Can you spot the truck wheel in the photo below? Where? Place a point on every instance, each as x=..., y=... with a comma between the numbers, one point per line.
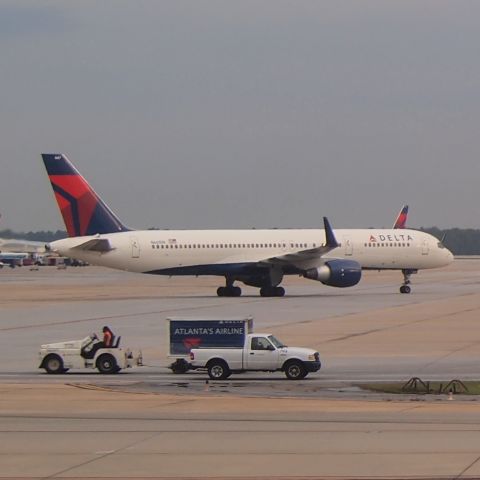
x=107, y=364
x=218, y=370
x=53, y=364
x=295, y=370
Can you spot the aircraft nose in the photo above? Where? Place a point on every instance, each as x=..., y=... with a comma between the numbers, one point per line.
x=445, y=256
x=450, y=256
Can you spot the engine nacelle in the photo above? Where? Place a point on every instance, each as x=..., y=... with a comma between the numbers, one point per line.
x=336, y=273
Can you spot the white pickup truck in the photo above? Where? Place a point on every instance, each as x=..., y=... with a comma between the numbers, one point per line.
x=261, y=352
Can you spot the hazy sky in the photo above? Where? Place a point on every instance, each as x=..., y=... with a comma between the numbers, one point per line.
x=239, y=114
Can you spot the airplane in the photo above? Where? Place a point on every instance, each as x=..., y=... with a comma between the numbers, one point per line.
x=401, y=220
x=258, y=258
x=21, y=246
x=14, y=245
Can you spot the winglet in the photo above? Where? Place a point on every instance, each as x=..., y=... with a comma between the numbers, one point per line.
x=401, y=220
x=331, y=241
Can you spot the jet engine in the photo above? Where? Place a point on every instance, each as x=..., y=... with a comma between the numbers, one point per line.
x=336, y=273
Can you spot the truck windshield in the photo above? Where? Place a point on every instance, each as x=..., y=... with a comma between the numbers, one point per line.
x=276, y=342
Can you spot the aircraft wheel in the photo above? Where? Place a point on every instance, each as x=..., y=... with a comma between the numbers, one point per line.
x=221, y=291
x=237, y=292
x=405, y=289
x=272, y=292
x=266, y=292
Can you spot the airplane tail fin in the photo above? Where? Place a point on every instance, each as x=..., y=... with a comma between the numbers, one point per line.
x=83, y=211
x=401, y=220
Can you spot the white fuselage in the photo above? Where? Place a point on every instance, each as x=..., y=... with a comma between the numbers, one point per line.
x=181, y=252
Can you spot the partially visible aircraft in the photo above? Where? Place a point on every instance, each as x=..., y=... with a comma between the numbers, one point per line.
x=259, y=258
x=401, y=220
x=14, y=245
x=21, y=246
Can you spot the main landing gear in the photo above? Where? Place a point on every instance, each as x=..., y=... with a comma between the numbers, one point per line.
x=405, y=288
x=229, y=290
x=272, y=291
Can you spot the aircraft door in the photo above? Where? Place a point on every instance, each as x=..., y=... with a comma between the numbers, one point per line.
x=425, y=247
x=135, y=247
x=347, y=242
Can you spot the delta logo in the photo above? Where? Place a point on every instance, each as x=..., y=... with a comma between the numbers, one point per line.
x=391, y=238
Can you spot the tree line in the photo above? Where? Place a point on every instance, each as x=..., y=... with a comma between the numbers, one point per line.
x=460, y=241
x=41, y=236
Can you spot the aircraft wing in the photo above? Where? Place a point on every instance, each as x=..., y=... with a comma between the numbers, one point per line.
x=303, y=258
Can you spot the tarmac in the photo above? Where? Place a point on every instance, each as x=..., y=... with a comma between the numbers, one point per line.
x=149, y=423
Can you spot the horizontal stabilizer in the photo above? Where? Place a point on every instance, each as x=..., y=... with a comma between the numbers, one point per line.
x=95, y=245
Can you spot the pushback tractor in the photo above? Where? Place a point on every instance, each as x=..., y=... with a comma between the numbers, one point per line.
x=84, y=354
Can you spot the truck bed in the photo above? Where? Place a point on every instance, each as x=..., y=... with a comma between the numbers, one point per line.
x=234, y=357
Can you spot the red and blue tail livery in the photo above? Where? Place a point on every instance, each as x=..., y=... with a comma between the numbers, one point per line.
x=83, y=211
x=401, y=220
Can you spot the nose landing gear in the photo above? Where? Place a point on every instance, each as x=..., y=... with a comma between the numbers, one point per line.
x=405, y=288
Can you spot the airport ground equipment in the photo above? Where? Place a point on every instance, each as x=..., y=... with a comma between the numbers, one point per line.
x=82, y=354
x=260, y=352
x=185, y=333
